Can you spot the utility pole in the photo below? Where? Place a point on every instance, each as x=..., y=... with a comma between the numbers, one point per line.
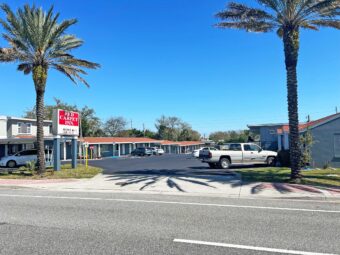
x=131, y=124
x=143, y=129
x=308, y=118
x=336, y=109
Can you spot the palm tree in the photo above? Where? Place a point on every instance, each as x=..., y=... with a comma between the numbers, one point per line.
x=286, y=17
x=37, y=42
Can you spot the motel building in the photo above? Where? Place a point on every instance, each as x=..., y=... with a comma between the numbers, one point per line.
x=18, y=134
x=122, y=146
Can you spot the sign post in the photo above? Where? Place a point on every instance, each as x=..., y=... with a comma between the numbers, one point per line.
x=86, y=145
x=74, y=152
x=65, y=123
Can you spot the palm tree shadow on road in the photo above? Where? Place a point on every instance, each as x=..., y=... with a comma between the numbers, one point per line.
x=172, y=178
x=202, y=176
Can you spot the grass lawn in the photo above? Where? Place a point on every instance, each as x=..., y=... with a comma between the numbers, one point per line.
x=66, y=173
x=321, y=177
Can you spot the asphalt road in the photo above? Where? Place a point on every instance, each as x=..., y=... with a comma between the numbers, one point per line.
x=143, y=165
x=42, y=222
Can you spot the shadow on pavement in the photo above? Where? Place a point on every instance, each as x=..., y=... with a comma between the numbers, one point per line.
x=172, y=177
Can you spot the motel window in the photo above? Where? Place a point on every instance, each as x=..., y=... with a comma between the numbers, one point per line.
x=20, y=127
x=28, y=128
x=337, y=145
x=272, y=132
x=24, y=128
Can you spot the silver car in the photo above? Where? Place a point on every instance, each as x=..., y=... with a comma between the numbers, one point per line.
x=21, y=158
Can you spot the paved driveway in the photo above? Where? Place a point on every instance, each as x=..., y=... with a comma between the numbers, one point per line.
x=171, y=164
x=167, y=173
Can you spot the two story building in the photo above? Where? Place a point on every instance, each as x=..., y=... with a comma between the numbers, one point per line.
x=17, y=134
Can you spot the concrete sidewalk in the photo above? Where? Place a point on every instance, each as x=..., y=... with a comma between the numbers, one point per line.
x=226, y=185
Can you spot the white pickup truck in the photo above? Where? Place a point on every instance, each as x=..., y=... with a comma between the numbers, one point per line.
x=237, y=154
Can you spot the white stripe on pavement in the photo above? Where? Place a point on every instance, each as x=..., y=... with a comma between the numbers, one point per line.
x=246, y=247
x=174, y=202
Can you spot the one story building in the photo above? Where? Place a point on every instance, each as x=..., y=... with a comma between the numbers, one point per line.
x=120, y=146
x=115, y=146
x=325, y=133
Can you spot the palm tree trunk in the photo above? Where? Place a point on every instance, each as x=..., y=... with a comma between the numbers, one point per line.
x=39, y=78
x=291, y=49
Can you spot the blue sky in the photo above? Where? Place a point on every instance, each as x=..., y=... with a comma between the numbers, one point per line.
x=164, y=57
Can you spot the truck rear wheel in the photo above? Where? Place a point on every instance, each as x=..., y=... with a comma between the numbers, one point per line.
x=224, y=163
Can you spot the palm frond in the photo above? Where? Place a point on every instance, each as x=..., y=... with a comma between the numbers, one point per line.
x=248, y=26
x=64, y=70
x=307, y=25
x=241, y=12
x=250, y=19
x=281, y=15
x=7, y=55
x=25, y=67
x=327, y=23
x=72, y=73
x=58, y=30
x=324, y=8
x=275, y=5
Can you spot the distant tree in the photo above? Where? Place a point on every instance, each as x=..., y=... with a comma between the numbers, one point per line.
x=239, y=136
x=174, y=129
x=91, y=125
x=130, y=133
x=48, y=109
x=188, y=134
x=168, y=127
x=137, y=133
x=114, y=125
x=150, y=134
x=219, y=136
x=38, y=43
x=286, y=18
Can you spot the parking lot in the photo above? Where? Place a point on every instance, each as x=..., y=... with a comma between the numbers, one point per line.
x=170, y=164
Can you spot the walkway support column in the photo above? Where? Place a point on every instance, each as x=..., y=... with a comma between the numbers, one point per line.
x=99, y=151
x=56, y=153
x=64, y=150
x=74, y=152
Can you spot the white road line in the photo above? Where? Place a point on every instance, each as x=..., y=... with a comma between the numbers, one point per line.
x=174, y=202
x=253, y=248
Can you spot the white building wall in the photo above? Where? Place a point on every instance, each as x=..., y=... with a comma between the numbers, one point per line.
x=3, y=127
x=13, y=128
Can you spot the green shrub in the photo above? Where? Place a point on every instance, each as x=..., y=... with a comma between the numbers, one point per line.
x=31, y=166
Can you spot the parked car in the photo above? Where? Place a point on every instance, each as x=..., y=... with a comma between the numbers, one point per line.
x=156, y=150
x=141, y=152
x=238, y=154
x=21, y=158
x=196, y=153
